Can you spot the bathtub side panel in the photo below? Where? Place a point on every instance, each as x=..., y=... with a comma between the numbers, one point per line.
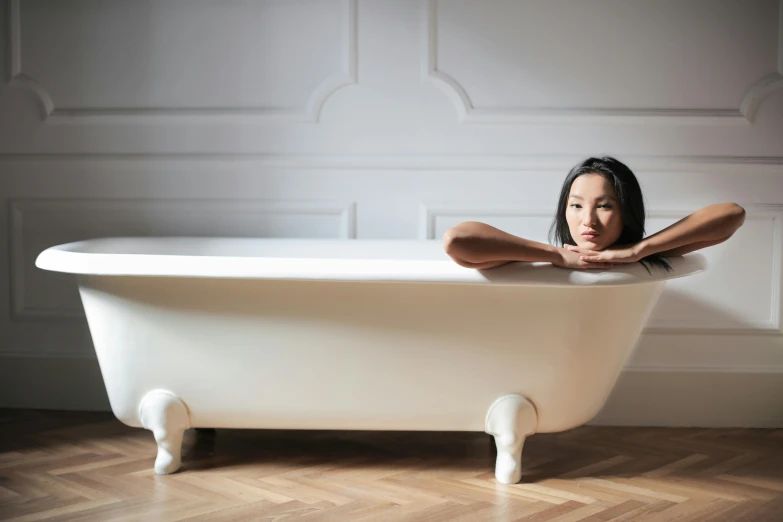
x=349, y=355
x=120, y=359
x=591, y=374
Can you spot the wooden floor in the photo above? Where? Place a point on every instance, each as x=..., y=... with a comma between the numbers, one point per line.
x=89, y=466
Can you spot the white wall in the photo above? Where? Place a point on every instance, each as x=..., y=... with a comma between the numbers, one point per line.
x=396, y=119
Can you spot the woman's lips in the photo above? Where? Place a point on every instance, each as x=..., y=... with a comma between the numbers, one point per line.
x=590, y=235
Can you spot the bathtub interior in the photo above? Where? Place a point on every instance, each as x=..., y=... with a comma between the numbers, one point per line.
x=302, y=248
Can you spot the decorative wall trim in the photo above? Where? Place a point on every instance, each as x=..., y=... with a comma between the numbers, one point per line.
x=429, y=212
x=46, y=354
x=682, y=397
x=20, y=309
x=15, y=76
x=668, y=368
x=310, y=113
x=772, y=326
x=705, y=369
x=468, y=113
x=757, y=93
x=770, y=83
x=780, y=40
x=735, y=368
x=455, y=162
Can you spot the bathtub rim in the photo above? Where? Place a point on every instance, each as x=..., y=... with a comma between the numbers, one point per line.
x=73, y=258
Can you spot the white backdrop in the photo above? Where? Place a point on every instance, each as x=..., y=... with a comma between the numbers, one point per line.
x=396, y=119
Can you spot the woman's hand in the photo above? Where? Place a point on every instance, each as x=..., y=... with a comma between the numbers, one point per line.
x=568, y=259
x=614, y=254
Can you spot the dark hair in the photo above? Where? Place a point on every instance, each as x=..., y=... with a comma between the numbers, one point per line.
x=629, y=193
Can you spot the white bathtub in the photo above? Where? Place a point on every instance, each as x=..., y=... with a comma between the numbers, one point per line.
x=352, y=334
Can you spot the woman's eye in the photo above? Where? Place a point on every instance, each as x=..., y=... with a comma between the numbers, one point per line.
x=577, y=205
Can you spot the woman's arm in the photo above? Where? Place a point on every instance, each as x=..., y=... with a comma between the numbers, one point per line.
x=705, y=227
x=478, y=245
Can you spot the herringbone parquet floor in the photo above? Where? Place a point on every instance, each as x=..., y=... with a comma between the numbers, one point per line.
x=89, y=466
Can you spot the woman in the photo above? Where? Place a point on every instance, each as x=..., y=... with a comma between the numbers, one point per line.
x=599, y=224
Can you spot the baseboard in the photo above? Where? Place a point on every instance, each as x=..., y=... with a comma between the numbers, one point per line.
x=709, y=398
x=51, y=383
x=641, y=397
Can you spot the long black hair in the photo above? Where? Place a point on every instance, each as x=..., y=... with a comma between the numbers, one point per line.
x=629, y=194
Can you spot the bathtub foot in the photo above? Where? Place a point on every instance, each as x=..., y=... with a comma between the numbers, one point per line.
x=167, y=417
x=510, y=419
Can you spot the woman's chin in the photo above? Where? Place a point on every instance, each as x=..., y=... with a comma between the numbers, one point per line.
x=591, y=245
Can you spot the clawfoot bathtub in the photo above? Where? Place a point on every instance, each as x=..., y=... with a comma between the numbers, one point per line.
x=353, y=334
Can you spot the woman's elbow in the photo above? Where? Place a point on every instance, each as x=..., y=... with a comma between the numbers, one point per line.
x=448, y=240
x=455, y=233
x=738, y=216
x=736, y=209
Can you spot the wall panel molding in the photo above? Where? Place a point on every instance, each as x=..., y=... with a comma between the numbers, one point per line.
x=86, y=210
x=348, y=75
x=768, y=84
x=456, y=162
x=201, y=117
x=772, y=325
x=699, y=397
x=468, y=113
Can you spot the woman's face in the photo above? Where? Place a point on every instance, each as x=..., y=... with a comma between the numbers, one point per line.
x=593, y=207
